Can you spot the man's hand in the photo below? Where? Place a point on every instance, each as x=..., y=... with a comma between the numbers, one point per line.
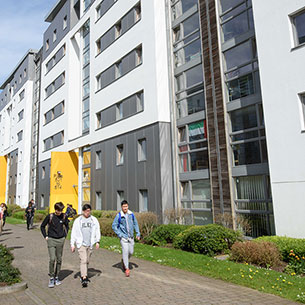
x=47, y=238
x=138, y=237
x=72, y=248
x=97, y=245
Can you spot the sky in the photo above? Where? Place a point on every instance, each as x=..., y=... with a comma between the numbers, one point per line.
x=21, y=28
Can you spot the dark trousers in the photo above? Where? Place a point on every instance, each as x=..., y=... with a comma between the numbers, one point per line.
x=28, y=222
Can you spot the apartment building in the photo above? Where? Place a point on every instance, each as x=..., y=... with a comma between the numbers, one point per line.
x=16, y=122
x=170, y=105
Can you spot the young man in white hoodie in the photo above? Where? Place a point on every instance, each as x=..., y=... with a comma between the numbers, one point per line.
x=85, y=233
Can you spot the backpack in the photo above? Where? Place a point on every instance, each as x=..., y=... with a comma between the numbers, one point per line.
x=120, y=218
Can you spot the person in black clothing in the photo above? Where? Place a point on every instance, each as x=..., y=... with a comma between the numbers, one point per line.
x=70, y=212
x=29, y=213
x=58, y=226
x=4, y=211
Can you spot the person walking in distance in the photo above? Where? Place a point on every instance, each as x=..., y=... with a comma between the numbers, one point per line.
x=29, y=213
x=85, y=234
x=34, y=210
x=58, y=227
x=124, y=225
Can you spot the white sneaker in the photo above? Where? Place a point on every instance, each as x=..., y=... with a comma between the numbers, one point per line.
x=51, y=282
x=57, y=281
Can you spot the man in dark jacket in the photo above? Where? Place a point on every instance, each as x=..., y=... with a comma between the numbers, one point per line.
x=29, y=213
x=58, y=226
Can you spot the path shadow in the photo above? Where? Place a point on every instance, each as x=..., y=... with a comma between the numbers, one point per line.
x=6, y=230
x=2, y=240
x=64, y=273
x=120, y=266
x=6, y=233
x=17, y=237
x=91, y=273
x=15, y=247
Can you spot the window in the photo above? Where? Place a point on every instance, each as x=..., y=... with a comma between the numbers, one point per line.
x=64, y=23
x=24, y=73
x=56, y=58
x=143, y=201
x=98, y=200
x=120, y=198
x=19, y=135
x=103, y=7
x=248, y=138
x=20, y=78
x=86, y=4
x=119, y=111
x=53, y=141
x=254, y=203
x=56, y=84
x=228, y=4
x=42, y=200
x=237, y=21
x=120, y=68
x=54, y=113
x=190, y=78
x=47, y=45
x=193, y=153
x=43, y=172
x=98, y=158
x=54, y=35
x=21, y=95
x=302, y=99
x=182, y=6
x=298, y=23
x=20, y=115
x=120, y=154
x=142, y=150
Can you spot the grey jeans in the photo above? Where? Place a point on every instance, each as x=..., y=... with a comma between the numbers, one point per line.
x=127, y=250
x=55, y=247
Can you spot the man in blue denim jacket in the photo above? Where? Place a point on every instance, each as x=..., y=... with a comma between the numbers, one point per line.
x=124, y=225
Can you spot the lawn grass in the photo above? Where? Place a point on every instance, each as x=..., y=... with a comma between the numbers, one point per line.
x=284, y=285
x=14, y=221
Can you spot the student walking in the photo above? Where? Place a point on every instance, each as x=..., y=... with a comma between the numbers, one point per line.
x=1, y=217
x=124, y=225
x=4, y=211
x=85, y=233
x=29, y=213
x=58, y=226
x=34, y=210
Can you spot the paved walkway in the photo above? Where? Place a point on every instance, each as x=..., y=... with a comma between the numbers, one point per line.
x=149, y=283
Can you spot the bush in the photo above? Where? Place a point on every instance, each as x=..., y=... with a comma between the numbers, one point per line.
x=8, y=274
x=164, y=234
x=106, y=227
x=147, y=222
x=39, y=217
x=19, y=215
x=11, y=208
x=264, y=254
x=285, y=245
x=209, y=239
x=43, y=212
x=96, y=213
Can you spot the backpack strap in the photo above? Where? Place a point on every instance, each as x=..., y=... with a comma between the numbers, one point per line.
x=51, y=217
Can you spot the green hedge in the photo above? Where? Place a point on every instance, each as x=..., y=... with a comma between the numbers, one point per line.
x=11, y=208
x=19, y=215
x=286, y=244
x=8, y=273
x=104, y=214
x=209, y=239
x=164, y=234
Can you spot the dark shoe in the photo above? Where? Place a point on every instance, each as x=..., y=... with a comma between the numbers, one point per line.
x=84, y=283
x=51, y=282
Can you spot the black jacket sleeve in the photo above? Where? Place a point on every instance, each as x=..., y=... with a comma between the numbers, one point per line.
x=66, y=224
x=43, y=226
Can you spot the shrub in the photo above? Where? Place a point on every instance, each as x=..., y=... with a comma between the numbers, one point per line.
x=209, y=239
x=8, y=274
x=147, y=222
x=19, y=215
x=164, y=234
x=106, y=227
x=296, y=264
x=96, y=213
x=108, y=214
x=263, y=254
x=11, y=208
x=285, y=245
x=39, y=217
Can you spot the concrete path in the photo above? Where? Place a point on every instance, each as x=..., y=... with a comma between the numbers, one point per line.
x=149, y=282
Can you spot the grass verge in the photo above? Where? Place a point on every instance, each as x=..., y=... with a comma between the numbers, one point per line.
x=14, y=221
x=269, y=281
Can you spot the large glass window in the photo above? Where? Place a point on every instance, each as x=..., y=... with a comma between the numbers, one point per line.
x=254, y=203
x=193, y=153
x=228, y=4
x=182, y=6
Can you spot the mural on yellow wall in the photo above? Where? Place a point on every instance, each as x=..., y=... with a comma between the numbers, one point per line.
x=64, y=179
x=3, y=170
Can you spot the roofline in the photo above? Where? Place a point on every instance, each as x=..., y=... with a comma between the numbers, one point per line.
x=30, y=51
x=54, y=11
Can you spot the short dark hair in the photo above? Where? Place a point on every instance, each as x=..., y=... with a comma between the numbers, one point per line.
x=124, y=202
x=59, y=206
x=86, y=207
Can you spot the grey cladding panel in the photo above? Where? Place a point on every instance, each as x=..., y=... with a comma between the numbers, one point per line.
x=44, y=183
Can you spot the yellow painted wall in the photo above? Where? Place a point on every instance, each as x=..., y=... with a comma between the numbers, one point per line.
x=63, y=175
x=3, y=170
